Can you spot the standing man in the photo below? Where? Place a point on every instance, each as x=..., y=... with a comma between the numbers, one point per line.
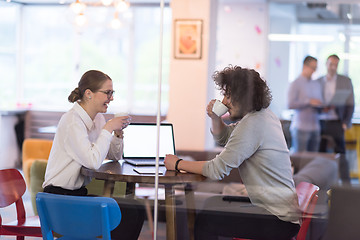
x=338, y=95
x=305, y=97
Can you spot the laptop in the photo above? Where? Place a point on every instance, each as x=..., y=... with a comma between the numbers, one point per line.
x=340, y=97
x=140, y=143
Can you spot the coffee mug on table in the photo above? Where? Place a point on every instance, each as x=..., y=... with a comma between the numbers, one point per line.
x=219, y=108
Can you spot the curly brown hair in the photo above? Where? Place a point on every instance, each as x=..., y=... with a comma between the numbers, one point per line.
x=245, y=88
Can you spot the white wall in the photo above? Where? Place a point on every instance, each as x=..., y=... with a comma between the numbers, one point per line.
x=234, y=32
x=242, y=31
x=189, y=80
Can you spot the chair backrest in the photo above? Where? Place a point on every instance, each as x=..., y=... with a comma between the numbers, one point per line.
x=36, y=148
x=37, y=176
x=77, y=217
x=12, y=188
x=343, y=214
x=32, y=150
x=307, y=197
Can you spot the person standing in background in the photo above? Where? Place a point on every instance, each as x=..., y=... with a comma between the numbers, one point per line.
x=338, y=96
x=304, y=96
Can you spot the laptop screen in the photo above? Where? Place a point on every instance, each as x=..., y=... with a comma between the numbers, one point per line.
x=140, y=140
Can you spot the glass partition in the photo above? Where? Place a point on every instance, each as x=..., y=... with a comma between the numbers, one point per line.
x=54, y=54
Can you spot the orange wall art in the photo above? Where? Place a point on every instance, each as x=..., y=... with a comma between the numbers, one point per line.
x=188, y=39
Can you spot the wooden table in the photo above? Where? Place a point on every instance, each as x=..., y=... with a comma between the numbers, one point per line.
x=112, y=171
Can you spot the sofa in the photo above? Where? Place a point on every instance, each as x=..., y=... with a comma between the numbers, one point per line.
x=34, y=149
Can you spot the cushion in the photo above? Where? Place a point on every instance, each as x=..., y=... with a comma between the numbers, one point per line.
x=37, y=175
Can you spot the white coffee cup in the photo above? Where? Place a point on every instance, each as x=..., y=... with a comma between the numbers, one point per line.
x=121, y=114
x=219, y=108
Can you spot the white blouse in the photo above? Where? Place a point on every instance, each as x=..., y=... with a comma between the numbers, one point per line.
x=78, y=142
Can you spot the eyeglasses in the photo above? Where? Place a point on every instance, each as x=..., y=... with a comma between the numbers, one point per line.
x=109, y=93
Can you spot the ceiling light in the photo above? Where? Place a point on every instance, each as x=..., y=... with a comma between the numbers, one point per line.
x=121, y=5
x=115, y=22
x=299, y=38
x=77, y=7
x=106, y=2
x=80, y=20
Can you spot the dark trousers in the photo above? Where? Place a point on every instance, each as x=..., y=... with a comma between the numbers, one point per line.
x=334, y=129
x=132, y=213
x=247, y=221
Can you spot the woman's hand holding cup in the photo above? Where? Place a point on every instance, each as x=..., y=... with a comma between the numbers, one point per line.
x=118, y=123
x=124, y=118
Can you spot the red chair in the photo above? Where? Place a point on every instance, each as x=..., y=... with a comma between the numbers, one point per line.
x=12, y=188
x=307, y=197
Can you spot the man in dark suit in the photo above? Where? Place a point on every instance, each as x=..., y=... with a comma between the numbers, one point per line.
x=338, y=95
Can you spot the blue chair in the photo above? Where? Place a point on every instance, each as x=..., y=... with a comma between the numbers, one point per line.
x=75, y=217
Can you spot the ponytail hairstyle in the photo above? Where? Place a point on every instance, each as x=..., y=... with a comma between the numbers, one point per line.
x=92, y=80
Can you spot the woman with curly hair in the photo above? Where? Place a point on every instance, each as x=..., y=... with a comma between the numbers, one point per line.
x=255, y=144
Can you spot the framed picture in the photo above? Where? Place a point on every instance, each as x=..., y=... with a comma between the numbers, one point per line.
x=188, y=39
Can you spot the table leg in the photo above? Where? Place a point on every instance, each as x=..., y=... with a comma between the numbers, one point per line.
x=170, y=212
x=130, y=189
x=190, y=206
x=108, y=188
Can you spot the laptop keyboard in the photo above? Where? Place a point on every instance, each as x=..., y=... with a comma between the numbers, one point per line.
x=144, y=162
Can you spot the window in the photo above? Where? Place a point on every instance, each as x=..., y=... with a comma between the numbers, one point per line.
x=8, y=54
x=49, y=50
x=55, y=53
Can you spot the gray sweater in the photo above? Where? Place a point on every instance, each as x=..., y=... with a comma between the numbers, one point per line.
x=256, y=145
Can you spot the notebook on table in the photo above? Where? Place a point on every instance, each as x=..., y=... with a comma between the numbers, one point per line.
x=140, y=143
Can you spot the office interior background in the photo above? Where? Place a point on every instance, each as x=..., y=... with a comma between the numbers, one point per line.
x=45, y=48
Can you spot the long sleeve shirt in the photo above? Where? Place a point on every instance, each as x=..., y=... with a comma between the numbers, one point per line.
x=256, y=145
x=306, y=117
x=345, y=103
x=79, y=141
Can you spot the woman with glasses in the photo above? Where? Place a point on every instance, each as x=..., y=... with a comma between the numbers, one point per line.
x=84, y=138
